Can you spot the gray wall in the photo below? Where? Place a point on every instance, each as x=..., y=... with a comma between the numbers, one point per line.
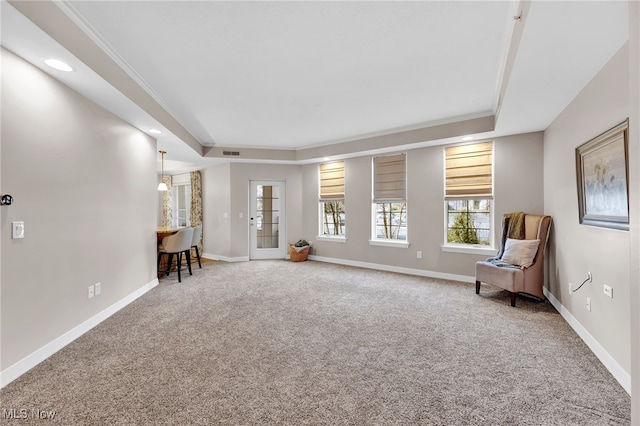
x=216, y=229
x=226, y=190
x=576, y=249
x=84, y=183
x=518, y=187
x=634, y=197
x=518, y=179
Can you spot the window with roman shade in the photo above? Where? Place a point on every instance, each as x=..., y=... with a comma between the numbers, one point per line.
x=331, y=195
x=332, y=181
x=390, y=197
x=468, y=194
x=468, y=171
x=390, y=178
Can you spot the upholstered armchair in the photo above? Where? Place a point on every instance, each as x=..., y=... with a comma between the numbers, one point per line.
x=519, y=265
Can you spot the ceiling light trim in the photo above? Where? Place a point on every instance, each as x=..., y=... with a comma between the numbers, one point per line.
x=58, y=64
x=514, y=36
x=403, y=138
x=74, y=14
x=404, y=129
x=52, y=19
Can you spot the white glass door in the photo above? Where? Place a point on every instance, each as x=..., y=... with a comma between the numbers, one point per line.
x=267, y=220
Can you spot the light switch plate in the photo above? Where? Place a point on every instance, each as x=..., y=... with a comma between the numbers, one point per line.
x=17, y=230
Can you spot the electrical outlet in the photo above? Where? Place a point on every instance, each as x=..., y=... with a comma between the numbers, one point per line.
x=570, y=288
x=419, y=254
x=608, y=291
x=589, y=304
x=91, y=291
x=98, y=287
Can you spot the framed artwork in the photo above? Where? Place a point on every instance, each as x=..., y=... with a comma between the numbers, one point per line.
x=603, y=179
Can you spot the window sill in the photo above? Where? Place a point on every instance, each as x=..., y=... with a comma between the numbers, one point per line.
x=338, y=239
x=389, y=243
x=469, y=249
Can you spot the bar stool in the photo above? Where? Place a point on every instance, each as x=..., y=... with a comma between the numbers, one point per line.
x=178, y=243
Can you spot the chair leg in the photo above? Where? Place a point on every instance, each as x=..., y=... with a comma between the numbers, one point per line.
x=198, y=256
x=179, y=266
x=188, y=253
x=477, y=287
x=169, y=262
x=513, y=299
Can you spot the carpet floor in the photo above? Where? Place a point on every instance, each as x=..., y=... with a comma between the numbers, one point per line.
x=311, y=343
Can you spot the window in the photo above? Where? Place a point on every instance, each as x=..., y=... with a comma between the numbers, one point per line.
x=469, y=222
x=332, y=218
x=332, y=212
x=389, y=198
x=468, y=194
x=391, y=221
x=268, y=216
x=181, y=205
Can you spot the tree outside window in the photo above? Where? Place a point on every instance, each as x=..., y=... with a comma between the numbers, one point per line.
x=469, y=222
x=391, y=221
x=333, y=218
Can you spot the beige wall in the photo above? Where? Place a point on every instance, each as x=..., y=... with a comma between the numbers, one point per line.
x=634, y=197
x=84, y=183
x=577, y=249
x=518, y=187
x=216, y=229
x=226, y=189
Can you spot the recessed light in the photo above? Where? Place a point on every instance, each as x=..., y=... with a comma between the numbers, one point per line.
x=155, y=131
x=58, y=65
x=467, y=138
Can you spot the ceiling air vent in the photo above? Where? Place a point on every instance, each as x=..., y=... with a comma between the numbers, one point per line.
x=234, y=153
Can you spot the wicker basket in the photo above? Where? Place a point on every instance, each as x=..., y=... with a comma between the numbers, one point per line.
x=298, y=254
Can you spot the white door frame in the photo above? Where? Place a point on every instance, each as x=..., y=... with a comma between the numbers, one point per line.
x=280, y=252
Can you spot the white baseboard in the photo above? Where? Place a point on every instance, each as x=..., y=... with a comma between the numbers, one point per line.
x=399, y=269
x=19, y=368
x=607, y=360
x=225, y=258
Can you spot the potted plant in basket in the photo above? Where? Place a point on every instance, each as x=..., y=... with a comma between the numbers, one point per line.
x=299, y=251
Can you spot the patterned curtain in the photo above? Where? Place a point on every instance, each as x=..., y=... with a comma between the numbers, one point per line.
x=166, y=203
x=196, y=203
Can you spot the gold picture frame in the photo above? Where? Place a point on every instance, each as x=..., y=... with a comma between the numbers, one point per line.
x=602, y=168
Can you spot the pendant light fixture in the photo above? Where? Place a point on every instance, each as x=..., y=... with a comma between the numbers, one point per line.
x=162, y=186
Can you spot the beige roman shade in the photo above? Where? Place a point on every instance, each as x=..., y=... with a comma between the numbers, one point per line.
x=468, y=171
x=332, y=181
x=390, y=178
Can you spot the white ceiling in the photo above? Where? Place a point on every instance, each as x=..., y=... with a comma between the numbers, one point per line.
x=290, y=76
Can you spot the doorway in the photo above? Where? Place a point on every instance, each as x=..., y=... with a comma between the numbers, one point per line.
x=267, y=239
